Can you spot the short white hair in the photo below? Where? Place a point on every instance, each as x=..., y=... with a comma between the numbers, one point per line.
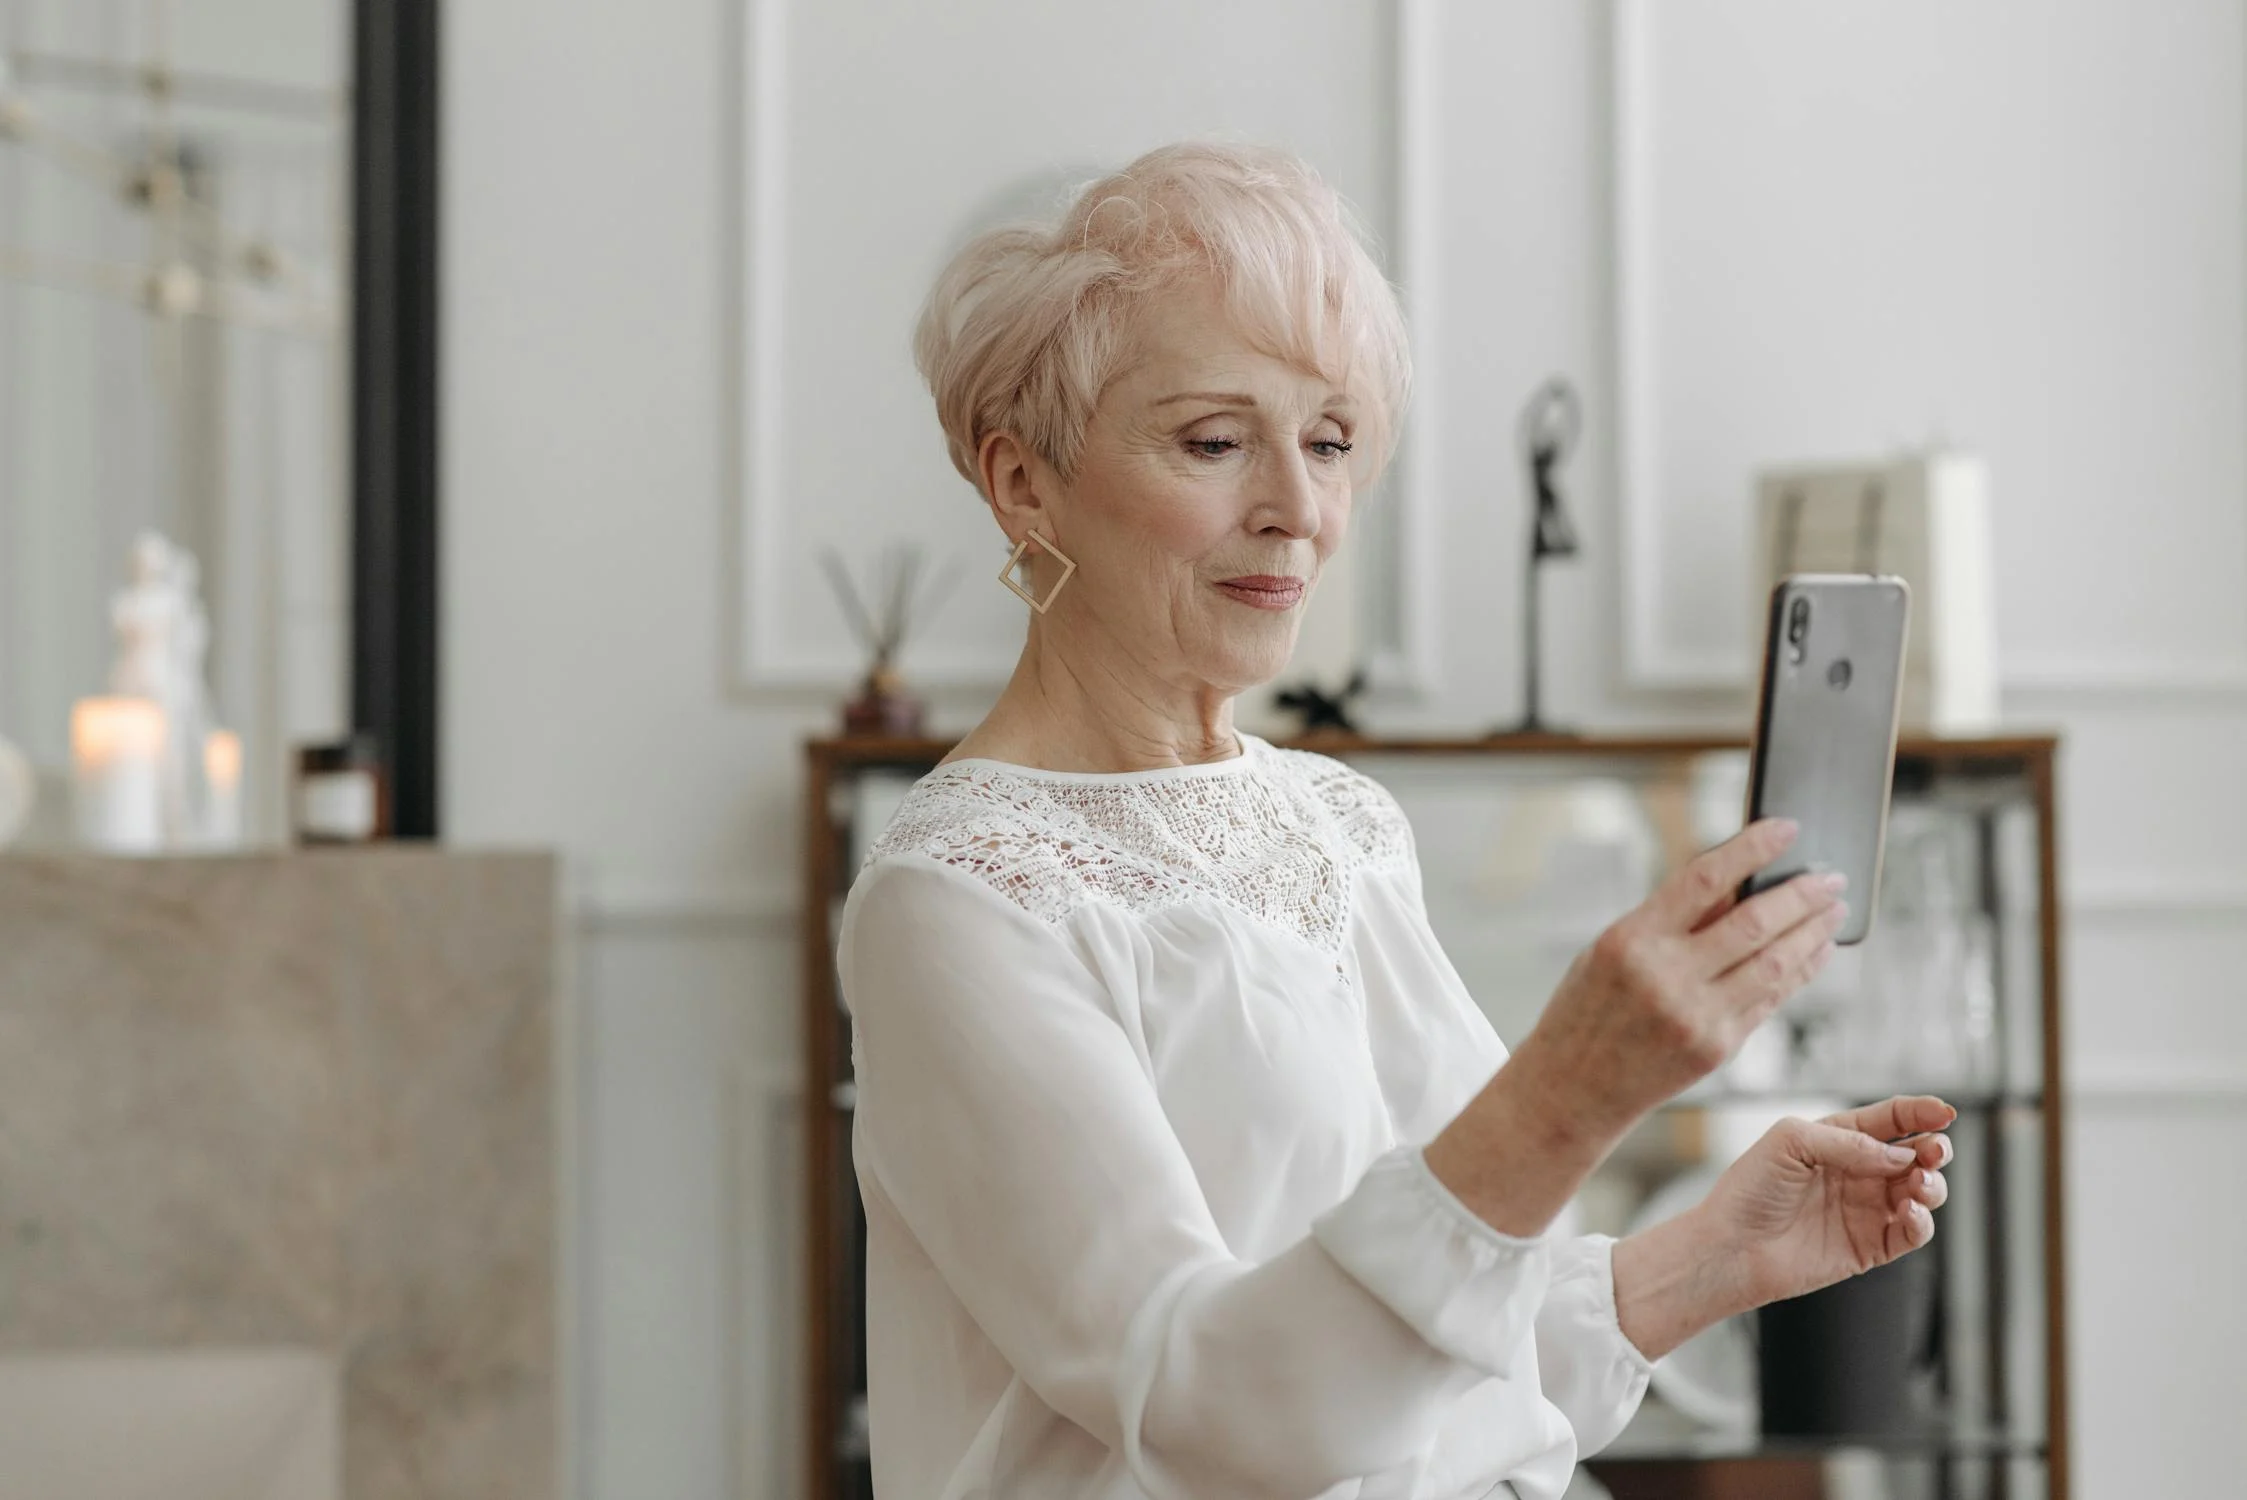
x=1029, y=323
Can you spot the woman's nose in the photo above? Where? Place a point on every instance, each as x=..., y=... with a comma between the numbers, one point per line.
x=1290, y=502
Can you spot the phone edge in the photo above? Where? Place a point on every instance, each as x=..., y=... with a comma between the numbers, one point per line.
x=1895, y=732
x=1763, y=725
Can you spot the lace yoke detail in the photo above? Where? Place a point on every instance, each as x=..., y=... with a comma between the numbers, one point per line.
x=1280, y=839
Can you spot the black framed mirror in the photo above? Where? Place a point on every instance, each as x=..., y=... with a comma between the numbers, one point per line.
x=395, y=165
x=219, y=400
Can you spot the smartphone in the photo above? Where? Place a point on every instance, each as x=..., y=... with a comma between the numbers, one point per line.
x=1825, y=729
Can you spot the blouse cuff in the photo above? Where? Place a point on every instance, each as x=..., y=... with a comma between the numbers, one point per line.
x=1590, y=1368
x=1583, y=1289
x=1468, y=1289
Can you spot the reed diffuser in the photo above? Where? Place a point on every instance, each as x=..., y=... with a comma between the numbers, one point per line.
x=904, y=595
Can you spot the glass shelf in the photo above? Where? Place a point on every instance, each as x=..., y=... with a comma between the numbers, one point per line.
x=1625, y=1450
x=844, y=1096
x=1659, y=1434
x=1962, y=1098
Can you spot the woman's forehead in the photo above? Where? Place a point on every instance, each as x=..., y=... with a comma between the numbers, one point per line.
x=1192, y=342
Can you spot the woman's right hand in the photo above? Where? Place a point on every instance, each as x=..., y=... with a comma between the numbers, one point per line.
x=1668, y=993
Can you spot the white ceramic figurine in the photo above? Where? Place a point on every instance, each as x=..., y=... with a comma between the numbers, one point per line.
x=163, y=635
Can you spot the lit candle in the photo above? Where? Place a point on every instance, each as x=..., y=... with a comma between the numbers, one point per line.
x=222, y=782
x=116, y=751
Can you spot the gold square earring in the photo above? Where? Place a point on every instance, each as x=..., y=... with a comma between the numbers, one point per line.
x=1006, y=574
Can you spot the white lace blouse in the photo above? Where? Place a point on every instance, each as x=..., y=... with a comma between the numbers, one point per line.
x=1144, y=1064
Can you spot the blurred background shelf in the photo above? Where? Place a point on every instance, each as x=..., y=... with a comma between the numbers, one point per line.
x=1965, y=1099
x=1661, y=1434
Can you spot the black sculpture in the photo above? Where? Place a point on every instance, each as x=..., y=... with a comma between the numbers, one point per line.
x=1548, y=430
x=1323, y=712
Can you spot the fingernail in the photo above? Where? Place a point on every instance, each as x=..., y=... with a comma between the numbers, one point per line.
x=1834, y=881
x=1786, y=827
x=1838, y=913
x=1948, y=1153
x=1902, y=1156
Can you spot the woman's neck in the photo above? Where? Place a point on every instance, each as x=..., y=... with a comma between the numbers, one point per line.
x=1061, y=713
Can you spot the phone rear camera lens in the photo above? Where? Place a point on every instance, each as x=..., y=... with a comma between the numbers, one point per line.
x=1798, y=621
x=1839, y=673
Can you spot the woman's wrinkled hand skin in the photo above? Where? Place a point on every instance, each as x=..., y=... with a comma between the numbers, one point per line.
x=1668, y=993
x=1664, y=998
x=1814, y=1202
x=1811, y=1203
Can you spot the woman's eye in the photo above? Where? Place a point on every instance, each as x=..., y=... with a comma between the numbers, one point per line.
x=1331, y=448
x=1213, y=447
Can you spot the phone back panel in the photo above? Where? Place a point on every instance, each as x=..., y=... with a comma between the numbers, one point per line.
x=1825, y=751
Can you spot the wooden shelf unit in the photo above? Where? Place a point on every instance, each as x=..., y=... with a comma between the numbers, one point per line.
x=833, y=1355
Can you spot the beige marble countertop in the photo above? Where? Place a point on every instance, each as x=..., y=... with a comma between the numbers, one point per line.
x=298, y=1099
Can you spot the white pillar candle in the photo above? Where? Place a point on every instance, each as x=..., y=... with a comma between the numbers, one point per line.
x=222, y=786
x=116, y=752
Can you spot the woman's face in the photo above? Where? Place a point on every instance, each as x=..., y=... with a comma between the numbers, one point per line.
x=1214, y=485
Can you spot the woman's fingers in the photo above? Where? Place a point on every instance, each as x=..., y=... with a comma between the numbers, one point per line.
x=1893, y=1118
x=1716, y=913
x=1704, y=883
x=1934, y=1149
x=1852, y=1153
x=1767, y=976
x=1911, y=1229
x=1911, y=1188
x=1921, y=1185
x=1754, y=924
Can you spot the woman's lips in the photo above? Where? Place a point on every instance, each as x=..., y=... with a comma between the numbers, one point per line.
x=1265, y=590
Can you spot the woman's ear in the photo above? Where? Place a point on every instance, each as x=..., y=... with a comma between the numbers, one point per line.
x=1011, y=482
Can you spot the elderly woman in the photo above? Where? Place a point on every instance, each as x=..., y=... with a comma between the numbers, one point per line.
x=1190, y=1166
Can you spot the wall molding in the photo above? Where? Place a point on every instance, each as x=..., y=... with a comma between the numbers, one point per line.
x=2158, y=1086
x=1411, y=665
x=1649, y=661
x=2143, y=894
x=741, y=909
x=15, y=612
x=2133, y=681
x=681, y=909
x=761, y=660
x=763, y=1260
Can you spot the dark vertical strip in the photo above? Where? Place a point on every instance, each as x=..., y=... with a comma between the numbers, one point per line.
x=394, y=555
x=2059, y=1463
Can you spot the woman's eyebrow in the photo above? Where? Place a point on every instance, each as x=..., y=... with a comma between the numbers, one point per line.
x=1219, y=398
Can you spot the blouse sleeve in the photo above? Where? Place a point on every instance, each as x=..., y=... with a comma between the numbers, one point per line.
x=1587, y=1365
x=1003, y=1112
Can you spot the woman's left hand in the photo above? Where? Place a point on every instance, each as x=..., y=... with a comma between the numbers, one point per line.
x=1814, y=1202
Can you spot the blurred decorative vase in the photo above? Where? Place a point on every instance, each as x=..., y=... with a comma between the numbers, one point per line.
x=1858, y=1359
x=883, y=706
x=19, y=792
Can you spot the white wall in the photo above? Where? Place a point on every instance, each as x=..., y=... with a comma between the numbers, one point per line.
x=593, y=284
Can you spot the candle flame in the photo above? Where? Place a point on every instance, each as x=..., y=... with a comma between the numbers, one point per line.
x=222, y=758
x=105, y=729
